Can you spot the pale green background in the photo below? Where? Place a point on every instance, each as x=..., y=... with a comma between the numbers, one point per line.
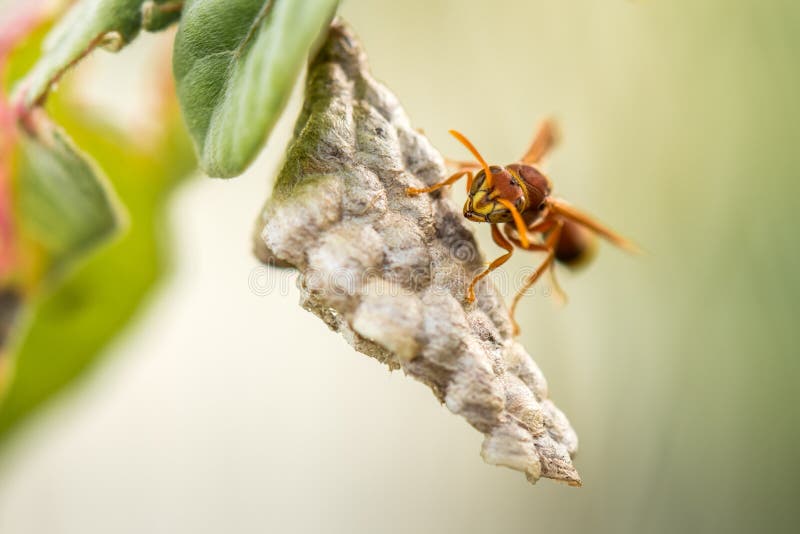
x=225, y=411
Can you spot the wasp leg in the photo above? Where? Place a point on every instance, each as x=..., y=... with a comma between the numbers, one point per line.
x=451, y=180
x=512, y=234
x=537, y=230
x=545, y=138
x=461, y=164
x=502, y=242
x=550, y=246
x=547, y=223
x=522, y=230
x=561, y=296
x=540, y=228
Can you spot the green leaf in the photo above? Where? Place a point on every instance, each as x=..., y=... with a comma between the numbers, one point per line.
x=71, y=326
x=110, y=24
x=65, y=326
x=235, y=63
x=63, y=202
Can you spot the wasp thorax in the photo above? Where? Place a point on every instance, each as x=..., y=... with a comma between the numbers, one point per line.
x=538, y=185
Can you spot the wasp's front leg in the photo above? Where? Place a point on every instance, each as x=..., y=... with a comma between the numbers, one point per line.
x=501, y=241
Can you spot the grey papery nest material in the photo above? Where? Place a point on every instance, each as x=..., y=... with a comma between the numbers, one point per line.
x=389, y=271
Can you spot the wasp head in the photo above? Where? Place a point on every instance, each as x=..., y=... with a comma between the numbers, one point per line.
x=488, y=199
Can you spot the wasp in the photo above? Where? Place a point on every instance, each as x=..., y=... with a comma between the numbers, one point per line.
x=519, y=197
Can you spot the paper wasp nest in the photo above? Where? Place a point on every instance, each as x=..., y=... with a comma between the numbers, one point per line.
x=389, y=271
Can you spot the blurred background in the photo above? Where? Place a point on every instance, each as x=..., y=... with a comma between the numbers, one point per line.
x=225, y=407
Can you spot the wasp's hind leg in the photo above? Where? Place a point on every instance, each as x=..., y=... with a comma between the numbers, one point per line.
x=553, y=227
